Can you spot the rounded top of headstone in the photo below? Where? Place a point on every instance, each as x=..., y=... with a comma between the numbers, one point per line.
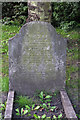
x=37, y=23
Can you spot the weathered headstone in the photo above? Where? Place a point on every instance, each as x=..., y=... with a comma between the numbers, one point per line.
x=37, y=58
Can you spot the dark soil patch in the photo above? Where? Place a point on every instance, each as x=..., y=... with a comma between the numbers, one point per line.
x=55, y=101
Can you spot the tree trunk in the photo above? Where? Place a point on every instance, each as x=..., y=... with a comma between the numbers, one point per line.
x=39, y=11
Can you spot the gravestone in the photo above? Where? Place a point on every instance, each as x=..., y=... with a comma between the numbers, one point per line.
x=37, y=57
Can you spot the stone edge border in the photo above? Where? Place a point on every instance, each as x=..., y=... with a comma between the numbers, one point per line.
x=68, y=108
x=9, y=106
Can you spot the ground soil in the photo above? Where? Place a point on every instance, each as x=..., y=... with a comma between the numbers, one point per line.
x=56, y=101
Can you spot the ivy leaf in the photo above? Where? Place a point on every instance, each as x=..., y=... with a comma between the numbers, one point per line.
x=44, y=105
x=41, y=95
x=41, y=109
x=36, y=108
x=21, y=110
x=48, y=100
x=38, y=116
x=27, y=106
x=41, y=100
x=44, y=116
x=25, y=111
x=48, y=117
x=33, y=106
x=53, y=107
x=54, y=116
x=2, y=105
x=59, y=116
x=48, y=104
x=17, y=110
x=48, y=96
x=1, y=108
x=35, y=116
x=17, y=114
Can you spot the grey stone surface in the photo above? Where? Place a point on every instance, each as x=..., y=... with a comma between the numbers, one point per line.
x=37, y=57
x=9, y=106
x=68, y=108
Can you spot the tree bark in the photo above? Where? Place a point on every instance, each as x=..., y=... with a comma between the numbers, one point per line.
x=39, y=11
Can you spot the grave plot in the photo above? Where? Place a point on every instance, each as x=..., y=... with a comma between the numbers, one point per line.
x=42, y=106
x=37, y=58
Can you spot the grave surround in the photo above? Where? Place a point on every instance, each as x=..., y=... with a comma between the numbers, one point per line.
x=37, y=59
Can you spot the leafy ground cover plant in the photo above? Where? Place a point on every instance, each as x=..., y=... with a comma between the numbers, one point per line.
x=3, y=107
x=2, y=110
x=46, y=108
x=24, y=100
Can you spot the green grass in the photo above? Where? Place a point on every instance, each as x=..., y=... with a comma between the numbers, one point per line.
x=24, y=100
x=72, y=80
x=72, y=34
x=5, y=83
x=7, y=32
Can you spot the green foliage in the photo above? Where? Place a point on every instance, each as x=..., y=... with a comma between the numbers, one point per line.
x=27, y=107
x=15, y=13
x=7, y=32
x=36, y=116
x=41, y=95
x=72, y=80
x=5, y=83
x=2, y=110
x=73, y=35
x=44, y=105
x=37, y=107
x=78, y=115
x=24, y=100
x=66, y=15
x=54, y=117
x=22, y=112
x=43, y=116
x=48, y=96
x=44, y=98
x=59, y=116
x=68, y=25
x=3, y=107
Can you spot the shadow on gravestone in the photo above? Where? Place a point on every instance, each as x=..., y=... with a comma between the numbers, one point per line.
x=37, y=57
